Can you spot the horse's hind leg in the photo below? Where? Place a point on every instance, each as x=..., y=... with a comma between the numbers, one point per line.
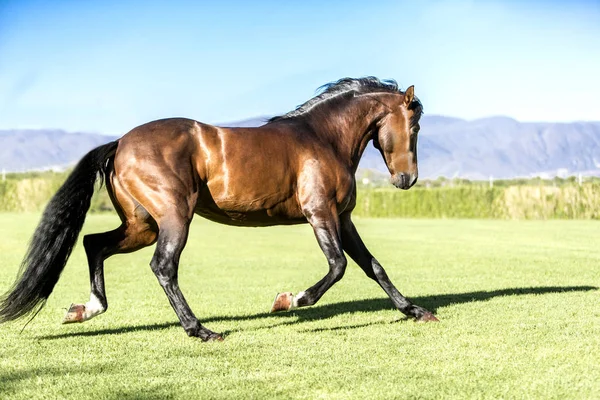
x=172, y=238
x=170, y=197
x=98, y=248
x=137, y=230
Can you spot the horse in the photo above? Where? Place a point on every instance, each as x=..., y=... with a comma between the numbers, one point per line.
x=296, y=168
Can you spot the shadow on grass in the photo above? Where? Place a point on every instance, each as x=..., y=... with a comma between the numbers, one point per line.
x=432, y=303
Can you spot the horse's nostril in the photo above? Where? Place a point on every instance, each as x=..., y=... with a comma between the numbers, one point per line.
x=402, y=179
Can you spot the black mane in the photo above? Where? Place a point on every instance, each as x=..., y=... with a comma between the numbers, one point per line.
x=369, y=84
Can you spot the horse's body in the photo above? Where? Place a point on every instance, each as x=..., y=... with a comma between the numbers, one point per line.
x=297, y=168
x=229, y=166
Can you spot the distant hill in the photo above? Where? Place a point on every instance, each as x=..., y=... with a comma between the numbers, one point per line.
x=505, y=148
x=500, y=147
x=26, y=150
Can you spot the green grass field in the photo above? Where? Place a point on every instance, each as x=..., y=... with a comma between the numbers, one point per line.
x=518, y=304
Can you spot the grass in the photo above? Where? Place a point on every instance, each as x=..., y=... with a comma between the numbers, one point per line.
x=517, y=300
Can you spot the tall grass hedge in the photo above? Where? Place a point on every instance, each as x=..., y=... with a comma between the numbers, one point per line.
x=522, y=200
x=481, y=201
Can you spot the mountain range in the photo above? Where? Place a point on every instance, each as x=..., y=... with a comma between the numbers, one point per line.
x=39, y=149
x=498, y=147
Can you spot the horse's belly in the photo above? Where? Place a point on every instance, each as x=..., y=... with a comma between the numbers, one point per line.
x=254, y=211
x=248, y=219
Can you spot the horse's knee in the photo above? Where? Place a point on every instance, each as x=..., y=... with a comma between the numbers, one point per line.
x=337, y=266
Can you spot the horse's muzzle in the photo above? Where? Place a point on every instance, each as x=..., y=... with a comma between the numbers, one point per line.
x=404, y=181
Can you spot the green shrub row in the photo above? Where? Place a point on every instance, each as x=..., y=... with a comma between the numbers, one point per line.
x=31, y=193
x=481, y=201
x=533, y=200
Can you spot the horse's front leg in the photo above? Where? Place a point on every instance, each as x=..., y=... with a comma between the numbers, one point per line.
x=326, y=225
x=356, y=249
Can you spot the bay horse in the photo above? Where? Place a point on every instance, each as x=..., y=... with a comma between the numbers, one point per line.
x=297, y=168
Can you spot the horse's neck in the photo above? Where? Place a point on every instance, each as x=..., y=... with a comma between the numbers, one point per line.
x=350, y=128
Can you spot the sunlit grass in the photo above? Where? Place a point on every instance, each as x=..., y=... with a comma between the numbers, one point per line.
x=520, y=317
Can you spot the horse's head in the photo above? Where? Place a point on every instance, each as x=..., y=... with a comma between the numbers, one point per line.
x=396, y=139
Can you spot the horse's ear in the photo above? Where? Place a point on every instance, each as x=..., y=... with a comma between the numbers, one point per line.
x=409, y=95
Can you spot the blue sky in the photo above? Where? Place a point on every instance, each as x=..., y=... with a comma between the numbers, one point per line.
x=107, y=66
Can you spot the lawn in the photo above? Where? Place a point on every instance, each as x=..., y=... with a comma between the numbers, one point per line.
x=518, y=304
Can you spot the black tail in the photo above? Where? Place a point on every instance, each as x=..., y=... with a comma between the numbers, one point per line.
x=55, y=236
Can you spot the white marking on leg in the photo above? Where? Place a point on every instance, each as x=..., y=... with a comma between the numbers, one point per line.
x=93, y=307
x=295, y=300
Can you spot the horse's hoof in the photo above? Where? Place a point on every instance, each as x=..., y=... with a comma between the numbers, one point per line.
x=428, y=317
x=282, y=302
x=215, y=337
x=75, y=314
